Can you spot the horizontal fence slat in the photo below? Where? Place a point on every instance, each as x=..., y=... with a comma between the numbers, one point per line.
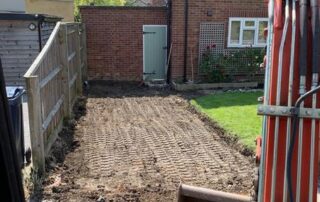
x=71, y=56
x=74, y=78
x=52, y=113
x=50, y=76
x=71, y=32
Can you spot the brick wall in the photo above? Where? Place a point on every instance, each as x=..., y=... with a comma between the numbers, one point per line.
x=221, y=10
x=158, y=2
x=115, y=40
x=114, y=34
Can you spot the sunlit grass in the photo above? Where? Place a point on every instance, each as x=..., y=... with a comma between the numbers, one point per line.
x=236, y=112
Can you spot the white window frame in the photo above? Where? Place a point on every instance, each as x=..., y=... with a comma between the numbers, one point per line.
x=242, y=28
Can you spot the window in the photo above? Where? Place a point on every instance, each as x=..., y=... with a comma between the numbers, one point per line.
x=244, y=32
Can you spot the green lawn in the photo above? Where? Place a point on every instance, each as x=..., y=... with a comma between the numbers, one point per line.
x=236, y=112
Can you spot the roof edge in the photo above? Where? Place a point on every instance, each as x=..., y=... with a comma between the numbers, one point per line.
x=27, y=16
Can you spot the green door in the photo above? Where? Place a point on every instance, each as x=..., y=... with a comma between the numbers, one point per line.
x=154, y=52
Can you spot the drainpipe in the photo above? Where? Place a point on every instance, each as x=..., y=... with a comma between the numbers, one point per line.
x=169, y=14
x=186, y=21
x=39, y=35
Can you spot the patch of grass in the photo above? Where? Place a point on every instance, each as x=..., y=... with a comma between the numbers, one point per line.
x=236, y=112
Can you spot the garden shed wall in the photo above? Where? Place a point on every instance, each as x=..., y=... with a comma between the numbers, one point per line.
x=115, y=40
x=20, y=45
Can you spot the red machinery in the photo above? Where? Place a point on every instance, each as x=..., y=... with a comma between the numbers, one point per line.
x=289, y=159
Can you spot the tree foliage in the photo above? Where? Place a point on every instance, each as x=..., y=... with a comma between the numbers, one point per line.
x=78, y=3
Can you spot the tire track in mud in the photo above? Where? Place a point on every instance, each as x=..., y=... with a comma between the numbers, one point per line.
x=140, y=147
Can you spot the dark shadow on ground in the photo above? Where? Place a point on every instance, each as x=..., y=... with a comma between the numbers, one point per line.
x=112, y=89
x=64, y=144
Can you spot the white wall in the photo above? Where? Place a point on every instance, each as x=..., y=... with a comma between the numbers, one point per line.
x=12, y=5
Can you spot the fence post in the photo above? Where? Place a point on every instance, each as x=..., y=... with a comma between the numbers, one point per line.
x=37, y=143
x=78, y=61
x=63, y=37
x=84, y=51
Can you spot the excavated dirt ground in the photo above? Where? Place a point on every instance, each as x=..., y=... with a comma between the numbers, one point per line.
x=132, y=143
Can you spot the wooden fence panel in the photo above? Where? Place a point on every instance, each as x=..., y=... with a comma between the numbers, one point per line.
x=53, y=82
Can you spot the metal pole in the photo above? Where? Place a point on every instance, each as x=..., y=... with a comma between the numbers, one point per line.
x=300, y=147
x=278, y=98
x=313, y=139
x=315, y=77
x=302, y=90
x=291, y=73
x=266, y=101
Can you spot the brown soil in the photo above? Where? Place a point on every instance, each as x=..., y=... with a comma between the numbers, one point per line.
x=132, y=143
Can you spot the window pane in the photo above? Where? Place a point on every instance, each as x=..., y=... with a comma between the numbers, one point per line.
x=262, y=26
x=249, y=23
x=248, y=37
x=235, y=32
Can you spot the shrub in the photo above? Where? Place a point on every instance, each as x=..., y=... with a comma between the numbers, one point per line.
x=224, y=67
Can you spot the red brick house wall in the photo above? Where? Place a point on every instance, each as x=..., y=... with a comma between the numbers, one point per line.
x=158, y=2
x=198, y=12
x=115, y=40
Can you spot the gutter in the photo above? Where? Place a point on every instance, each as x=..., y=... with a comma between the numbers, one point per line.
x=186, y=21
x=24, y=16
x=39, y=35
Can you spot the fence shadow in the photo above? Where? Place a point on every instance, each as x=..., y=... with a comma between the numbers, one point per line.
x=64, y=145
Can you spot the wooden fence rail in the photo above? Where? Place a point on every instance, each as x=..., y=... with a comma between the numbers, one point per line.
x=54, y=81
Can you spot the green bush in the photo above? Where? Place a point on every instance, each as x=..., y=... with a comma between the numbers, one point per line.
x=223, y=67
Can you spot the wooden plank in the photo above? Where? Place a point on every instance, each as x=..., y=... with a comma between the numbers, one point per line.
x=50, y=76
x=84, y=55
x=36, y=135
x=65, y=70
x=19, y=47
x=73, y=80
x=52, y=113
x=19, y=34
x=18, y=42
x=78, y=61
x=15, y=71
x=53, y=137
x=12, y=60
x=71, y=56
x=14, y=38
x=71, y=32
x=16, y=66
x=26, y=56
x=15, y=53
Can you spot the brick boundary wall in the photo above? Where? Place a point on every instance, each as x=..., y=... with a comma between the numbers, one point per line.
x=220, y=11
x=115, y=40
